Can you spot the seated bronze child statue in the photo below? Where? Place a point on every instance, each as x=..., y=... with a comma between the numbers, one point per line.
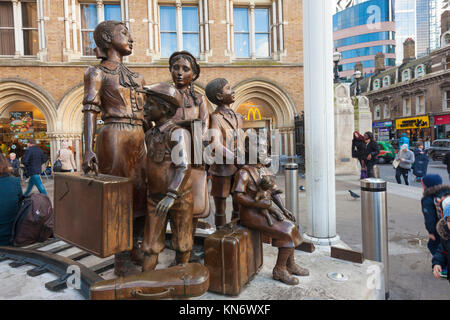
x=261, y=208
x=169, y=185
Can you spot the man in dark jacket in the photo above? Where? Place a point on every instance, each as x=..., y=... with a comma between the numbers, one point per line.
x=441, y=259
x=33, y=160
x=371, y=154
x=433, y=188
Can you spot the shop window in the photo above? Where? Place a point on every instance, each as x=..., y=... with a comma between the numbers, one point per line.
x=387, y=112
x=179, y=32
x=90, y=19
x=25, y=27
x=6, y=29
x=407, y=106
x=252, y=43
x=420, y=104
x=377, y=113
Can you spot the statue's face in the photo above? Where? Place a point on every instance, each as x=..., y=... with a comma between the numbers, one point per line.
x=182, y=73
x=152, y=111
x=227, y=95
x=122, y=40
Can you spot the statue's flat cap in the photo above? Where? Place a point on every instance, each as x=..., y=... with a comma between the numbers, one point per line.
x=166, y=92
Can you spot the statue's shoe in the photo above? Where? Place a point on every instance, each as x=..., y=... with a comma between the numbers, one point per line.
x=284, y=276
x=298, y=271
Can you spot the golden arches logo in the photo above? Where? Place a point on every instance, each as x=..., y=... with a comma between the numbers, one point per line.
x=254, y=112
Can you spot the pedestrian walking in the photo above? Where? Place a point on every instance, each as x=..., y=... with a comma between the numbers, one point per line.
x=14, y=164
x=420, y=166
x=358, y=152
x=404, y=159
x=65, y=155
x=371, y=153
x=33, y=160
x=432, y=189
x=10, y=199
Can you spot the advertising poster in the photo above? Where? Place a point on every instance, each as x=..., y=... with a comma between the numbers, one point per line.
x=21, y=121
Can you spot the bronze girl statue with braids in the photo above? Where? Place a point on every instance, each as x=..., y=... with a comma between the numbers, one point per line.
x=185, y=70
x=111, y=88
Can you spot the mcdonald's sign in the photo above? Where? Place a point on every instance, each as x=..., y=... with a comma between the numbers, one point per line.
x=254, y=112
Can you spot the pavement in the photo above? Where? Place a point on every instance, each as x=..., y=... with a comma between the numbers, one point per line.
x=410, y=274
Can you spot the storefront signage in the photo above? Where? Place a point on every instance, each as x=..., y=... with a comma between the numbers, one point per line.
x=413, y=123
x=440, y=120
x=386, y=124
x=255, y=112
x=21, y=121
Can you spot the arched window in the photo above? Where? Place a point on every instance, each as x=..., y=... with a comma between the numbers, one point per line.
x=376, y=84
x=406, y=75
x=386, y=81
x=420, y=71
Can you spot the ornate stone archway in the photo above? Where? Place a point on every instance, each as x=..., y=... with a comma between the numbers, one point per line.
x=279, y=101
x=13, y=90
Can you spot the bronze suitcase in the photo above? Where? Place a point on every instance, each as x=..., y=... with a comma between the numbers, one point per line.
x=94, y=213
x=233, y=255
x=181, y=282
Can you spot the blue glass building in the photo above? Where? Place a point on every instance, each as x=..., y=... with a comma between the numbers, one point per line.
x=363, y=30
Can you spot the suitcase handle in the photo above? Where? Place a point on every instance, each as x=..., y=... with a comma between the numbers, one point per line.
x=153, y=296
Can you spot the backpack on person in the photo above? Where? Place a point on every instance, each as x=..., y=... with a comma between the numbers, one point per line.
x=34, y=221
x=441, y=202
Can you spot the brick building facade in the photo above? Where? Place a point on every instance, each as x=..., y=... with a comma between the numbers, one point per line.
x=47, y=45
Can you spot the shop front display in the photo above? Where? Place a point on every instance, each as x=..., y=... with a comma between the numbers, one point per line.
x=442, y=127
x=383, y=131
x=416, y=128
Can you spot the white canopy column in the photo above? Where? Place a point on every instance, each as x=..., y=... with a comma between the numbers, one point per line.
x=319, y=121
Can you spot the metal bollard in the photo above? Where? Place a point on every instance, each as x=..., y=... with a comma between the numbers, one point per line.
x=376, y=171
x=374, y=224
x=291, y=188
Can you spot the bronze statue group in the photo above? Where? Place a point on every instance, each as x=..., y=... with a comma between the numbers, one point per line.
x=137, y=141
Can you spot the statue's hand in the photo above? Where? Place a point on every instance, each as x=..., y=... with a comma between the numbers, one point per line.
x=88, y=162
x=164, y=206
x=277, y=215
x=289, y=215
x=266, y=214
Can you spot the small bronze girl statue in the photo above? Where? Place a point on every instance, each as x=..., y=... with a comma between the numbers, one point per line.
x=112, y=89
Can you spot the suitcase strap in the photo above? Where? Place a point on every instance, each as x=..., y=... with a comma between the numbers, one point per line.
x=168, y=293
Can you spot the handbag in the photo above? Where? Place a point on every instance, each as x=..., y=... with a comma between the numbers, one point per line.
x=57, y=166
x=364, y=174
x=396, y=163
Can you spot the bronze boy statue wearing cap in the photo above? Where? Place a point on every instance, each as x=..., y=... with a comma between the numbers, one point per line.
x=112, y=89
x=228, y=125
x=169, y=185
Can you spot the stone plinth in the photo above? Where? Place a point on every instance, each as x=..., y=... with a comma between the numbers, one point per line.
x=344, y=126
x=364, y=115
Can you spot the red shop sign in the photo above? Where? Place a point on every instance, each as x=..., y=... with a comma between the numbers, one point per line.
x=439, y=120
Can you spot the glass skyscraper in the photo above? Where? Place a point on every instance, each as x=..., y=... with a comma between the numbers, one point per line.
x=361, y=31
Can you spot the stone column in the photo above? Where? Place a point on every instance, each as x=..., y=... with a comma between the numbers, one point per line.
x=78, y=153
x=100, y=12
x=252, y=30
x=319, y=122
x=344, y=127
x=179, y=26
x=364, y=115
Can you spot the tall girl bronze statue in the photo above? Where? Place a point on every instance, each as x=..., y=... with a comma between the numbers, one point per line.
x=112, y=89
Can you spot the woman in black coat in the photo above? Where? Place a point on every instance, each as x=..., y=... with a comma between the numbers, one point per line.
x=371, y=153
x=359, y=149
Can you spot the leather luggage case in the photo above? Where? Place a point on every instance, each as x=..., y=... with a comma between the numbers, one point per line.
x=94, y=213
x=233, y=255
x=181, y=282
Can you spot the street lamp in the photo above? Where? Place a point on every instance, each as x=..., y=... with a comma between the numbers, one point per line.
x=336, y=58
x=357, y=76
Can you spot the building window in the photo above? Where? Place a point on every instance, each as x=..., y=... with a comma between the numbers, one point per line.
x=90, y=14
x=406, y=106
x=377, y=114
x=376, y=84
x=446, y=102
x=386, y=81
x=420, y=71
x=7, y=46
x=20, y=33
x=387, y=112
x=420, y=104
x=406, y=75
x=179, y=32
x=252, y=43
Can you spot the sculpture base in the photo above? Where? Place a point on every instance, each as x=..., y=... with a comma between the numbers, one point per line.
x=326, y=242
